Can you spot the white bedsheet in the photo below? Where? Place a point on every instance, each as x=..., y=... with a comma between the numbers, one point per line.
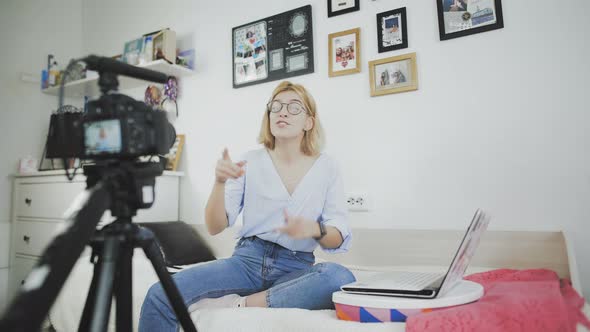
x=66, y=312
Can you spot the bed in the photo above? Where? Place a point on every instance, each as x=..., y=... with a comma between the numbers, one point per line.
x=374, y=250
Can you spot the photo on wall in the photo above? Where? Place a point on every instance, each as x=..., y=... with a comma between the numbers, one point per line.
x=274, y=48
x=344, y=52
x=393, y=75
x=339, y=7
x=392, y=30
x=458, y=18
x=250, y=63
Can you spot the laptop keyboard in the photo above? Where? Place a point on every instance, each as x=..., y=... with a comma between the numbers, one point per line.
x=408, y=280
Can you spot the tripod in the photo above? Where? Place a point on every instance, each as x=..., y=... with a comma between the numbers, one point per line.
x=122, y=187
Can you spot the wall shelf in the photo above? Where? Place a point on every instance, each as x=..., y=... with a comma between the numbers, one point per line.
x=89, y=86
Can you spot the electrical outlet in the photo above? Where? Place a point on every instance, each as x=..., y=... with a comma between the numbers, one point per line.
x=357, y=202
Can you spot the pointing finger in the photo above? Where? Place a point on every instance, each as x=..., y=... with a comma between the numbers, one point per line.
x=226, y=155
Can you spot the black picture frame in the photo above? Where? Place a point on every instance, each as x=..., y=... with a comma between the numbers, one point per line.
x=391, y=17
x=335, y=12
x=273, y=48
x=452, y=10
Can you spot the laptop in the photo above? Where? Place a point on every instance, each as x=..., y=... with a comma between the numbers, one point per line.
x=425, y=285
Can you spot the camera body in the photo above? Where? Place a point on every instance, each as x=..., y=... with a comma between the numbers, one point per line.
x=114, y=126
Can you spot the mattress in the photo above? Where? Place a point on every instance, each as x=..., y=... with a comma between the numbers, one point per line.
x=66, y=312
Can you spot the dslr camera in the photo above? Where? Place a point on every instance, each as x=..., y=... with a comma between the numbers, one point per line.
x=115, y=126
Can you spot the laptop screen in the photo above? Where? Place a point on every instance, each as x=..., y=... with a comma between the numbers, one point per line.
x=478, y=225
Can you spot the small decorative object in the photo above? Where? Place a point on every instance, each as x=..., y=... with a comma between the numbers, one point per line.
x=344, y=52
x=174, y=155
x=186, y=58
x=392, y=31
x=339, y=7
x=164, y=46
x=53, y=70
x=44, y=79
x=147, y=54
x=47, y=164
x=27, y=165
x=274, y=48
x=132, y=51
x=393, y=75
x=171, y=88
x=153, y=96
x=458, y=18
x=156, y=97
x=171, y=92
x=77, y=72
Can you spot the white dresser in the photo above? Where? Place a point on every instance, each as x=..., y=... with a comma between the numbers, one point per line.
x=38, y=205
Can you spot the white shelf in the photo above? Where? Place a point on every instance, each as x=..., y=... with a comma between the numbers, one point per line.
x=89, y=86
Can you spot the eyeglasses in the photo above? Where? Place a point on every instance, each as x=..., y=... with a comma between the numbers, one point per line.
x=294, y=108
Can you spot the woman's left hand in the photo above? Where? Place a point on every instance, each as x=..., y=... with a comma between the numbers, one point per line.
x=298, y=227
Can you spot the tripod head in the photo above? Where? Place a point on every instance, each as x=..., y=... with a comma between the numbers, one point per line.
x=130, y=184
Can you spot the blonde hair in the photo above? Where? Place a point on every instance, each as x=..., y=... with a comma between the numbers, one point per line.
x=313, y=139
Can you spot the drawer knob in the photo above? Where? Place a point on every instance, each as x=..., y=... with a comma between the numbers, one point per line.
x=28, y=201
x=26, y=238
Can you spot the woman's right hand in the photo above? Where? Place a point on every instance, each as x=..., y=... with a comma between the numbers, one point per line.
x=227, y=169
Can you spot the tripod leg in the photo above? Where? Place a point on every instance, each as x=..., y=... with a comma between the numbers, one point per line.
x=124, y=289
x=86, y=314
x=30, y=307
x=104, y=285
x=148, y=243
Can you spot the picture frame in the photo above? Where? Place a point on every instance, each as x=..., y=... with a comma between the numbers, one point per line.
x=175, y=152
x=392, y=30
x=274, y=48
x=344, y=52
x=393, y=75
x=339, y=7
x=459, y=18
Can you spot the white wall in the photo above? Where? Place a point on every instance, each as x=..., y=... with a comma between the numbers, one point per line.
x=29, y=30
x=499, y=120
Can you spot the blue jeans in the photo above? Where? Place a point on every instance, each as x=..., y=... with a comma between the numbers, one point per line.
x=290, y=278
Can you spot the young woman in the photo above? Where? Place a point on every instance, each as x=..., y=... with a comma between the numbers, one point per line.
x=291, y=196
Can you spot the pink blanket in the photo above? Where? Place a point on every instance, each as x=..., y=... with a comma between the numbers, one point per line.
x=527, y=300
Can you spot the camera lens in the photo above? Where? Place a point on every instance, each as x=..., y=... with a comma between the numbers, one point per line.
x=171, y=135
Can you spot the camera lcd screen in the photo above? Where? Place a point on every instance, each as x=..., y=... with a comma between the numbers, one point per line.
x=102, y=137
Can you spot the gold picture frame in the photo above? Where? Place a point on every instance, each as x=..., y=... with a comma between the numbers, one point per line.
x=175, y=152
x=393, y=75
x=344, y=52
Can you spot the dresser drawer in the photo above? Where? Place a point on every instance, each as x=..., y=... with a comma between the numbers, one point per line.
x=18, y=273
x=31, y=237
x=46, y=200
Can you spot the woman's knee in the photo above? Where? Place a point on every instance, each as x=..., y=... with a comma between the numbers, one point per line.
x=336, y=273
x=156, y=296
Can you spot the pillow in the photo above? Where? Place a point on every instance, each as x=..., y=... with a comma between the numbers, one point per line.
x=179, y=243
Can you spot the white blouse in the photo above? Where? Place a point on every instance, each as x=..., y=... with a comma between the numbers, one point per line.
x=261, y=195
